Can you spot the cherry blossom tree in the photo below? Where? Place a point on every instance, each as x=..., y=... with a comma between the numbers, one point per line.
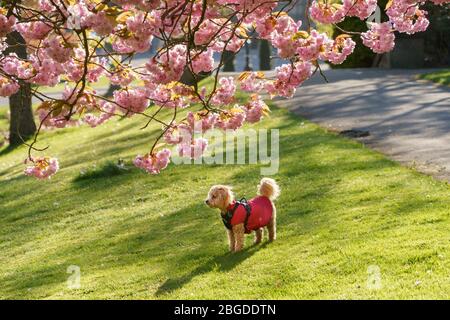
x=78, y=42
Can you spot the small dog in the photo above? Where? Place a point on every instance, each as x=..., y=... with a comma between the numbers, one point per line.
x=242, y=217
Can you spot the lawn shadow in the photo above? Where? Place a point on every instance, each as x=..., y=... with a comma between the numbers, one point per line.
x=222, y=263
x=8, y=149
x=107, y=170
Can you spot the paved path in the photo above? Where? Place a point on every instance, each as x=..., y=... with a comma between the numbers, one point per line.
x=408, y=120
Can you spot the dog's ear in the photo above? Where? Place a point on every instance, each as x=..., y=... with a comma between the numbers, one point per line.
x=229, y=197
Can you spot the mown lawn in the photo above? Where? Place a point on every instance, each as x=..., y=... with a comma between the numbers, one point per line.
x=441, y=77
x=344, y=210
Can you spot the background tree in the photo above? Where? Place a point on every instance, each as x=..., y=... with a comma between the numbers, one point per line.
x=78, y=42
x=229, y=58
x=22, y=125
x=265, y=61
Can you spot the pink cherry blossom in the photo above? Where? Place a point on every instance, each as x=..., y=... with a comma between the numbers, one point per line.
x=202, y=62
x=380, y=38
x=56, y=49
x=131, y=101
x=176, y=134
x=339, y=50
x=288, y=78
x=36, y=30
x=100, y=23
x=225, y=93
x=172, y=95
x=122, y=77
x=207, y=30
x=252, y=82
x=310, y=48
x=232, y=119
x=193, y=149
x=56, y=118
x=326, y=12
x=43, y=168
x=254, y=109
x=153, y=163
x=6, y=24
x=47, y=71
x=200, y=122
x=359, y=8
x=282, y=37
x=168, y=66
x=406, y=17
x=265, y=26
x=8, y=87
x=106, y=112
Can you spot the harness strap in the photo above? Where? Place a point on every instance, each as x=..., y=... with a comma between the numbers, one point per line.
x=226, y=218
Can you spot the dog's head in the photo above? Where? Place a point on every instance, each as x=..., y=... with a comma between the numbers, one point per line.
x=219, y=197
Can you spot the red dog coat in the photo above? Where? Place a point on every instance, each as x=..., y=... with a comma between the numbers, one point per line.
x=260, y=214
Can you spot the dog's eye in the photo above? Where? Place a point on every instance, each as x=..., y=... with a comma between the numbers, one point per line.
x=213, y=197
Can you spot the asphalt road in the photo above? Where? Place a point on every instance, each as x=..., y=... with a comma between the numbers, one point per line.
x=408, y=120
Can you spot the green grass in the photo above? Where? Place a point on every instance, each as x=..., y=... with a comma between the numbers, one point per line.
x=343, y=208
x=441, y=77
x=4, y=122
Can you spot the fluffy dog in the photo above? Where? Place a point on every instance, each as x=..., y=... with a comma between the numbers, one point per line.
x=242, y=217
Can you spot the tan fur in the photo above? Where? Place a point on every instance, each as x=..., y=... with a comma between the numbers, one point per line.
x=231, y=240
x=239, y=233
x=259, y=234
x=221, y=196
x=269, y=188
x=272, y=226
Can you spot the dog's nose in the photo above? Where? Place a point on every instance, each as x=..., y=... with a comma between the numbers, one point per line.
x=207, y=201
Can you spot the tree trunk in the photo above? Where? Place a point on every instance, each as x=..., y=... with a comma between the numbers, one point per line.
x=22, y=124
x=265, y=62
x=111, y=89
x=228, y=58
x=188, y=78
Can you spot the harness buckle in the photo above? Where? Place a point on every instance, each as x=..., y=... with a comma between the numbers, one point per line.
x=230, y=213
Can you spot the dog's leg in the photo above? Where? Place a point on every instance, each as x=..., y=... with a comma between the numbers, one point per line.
x=239, y=231
x=231, y=239
x=259, y=235
x=272, y=226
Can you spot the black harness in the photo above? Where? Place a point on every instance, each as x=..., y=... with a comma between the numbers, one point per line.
x=226, y=218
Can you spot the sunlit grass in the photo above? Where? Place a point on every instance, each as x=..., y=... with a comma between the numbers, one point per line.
x=343, y=208
x=441, y=77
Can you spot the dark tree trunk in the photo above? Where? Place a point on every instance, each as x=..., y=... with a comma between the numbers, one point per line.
x=228, y=59
x=189, y=79
x=22, y=124
x=111, y=89
x=265, y=62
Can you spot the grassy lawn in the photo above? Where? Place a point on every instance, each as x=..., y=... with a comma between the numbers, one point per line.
x=441, y=77
x=343, y=209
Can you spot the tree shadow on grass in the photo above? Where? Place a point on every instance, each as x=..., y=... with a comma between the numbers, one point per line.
x=8, y=149
x=107, y=170
x=223, y=263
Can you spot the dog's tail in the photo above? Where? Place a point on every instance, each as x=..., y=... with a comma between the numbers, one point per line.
x=268, y=188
